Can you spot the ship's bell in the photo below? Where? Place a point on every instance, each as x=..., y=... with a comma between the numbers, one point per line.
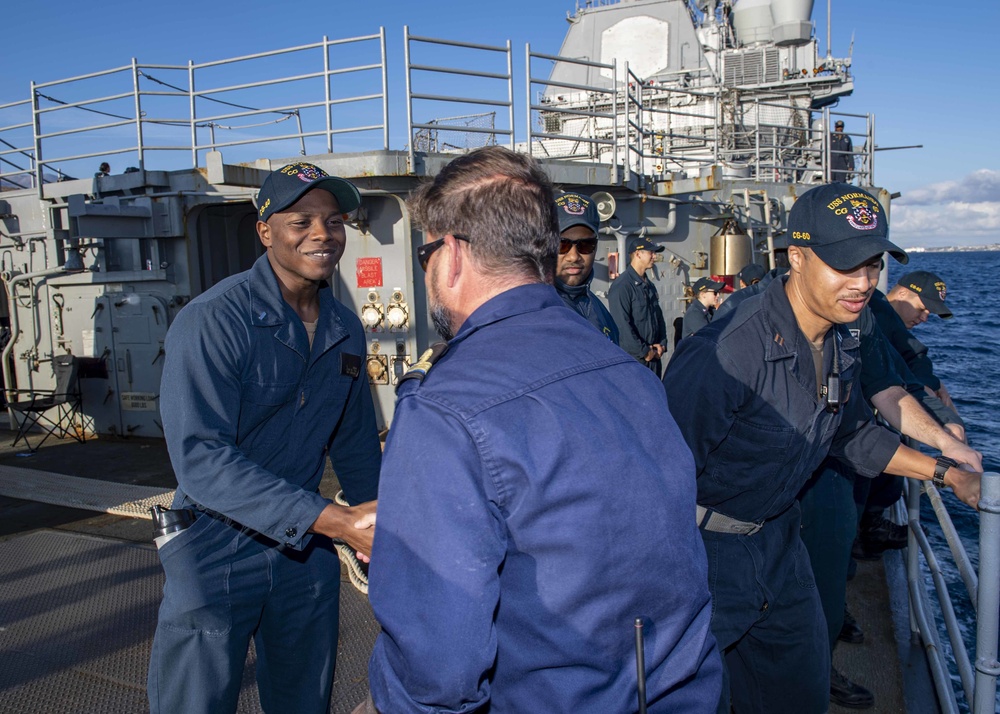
x=731, y=249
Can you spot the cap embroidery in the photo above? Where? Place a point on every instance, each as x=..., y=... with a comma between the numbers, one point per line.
x=862, y=218
x=942, y=290
x=572, y=204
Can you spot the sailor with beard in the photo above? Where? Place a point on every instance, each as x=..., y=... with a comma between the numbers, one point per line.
x=535, y=494
x=578, y=226
x=763, y=396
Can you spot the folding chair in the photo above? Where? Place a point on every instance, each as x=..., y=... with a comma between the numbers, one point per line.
x=35, y=405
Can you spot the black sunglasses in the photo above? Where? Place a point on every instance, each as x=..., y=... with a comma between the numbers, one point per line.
x=584, y=246
x=425, y=251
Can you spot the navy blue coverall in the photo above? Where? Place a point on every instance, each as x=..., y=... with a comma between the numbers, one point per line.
x=584, y=303
x=536, y=498
x=250, y=414
x=744, y=393
x=695, y=318
x=635, y=307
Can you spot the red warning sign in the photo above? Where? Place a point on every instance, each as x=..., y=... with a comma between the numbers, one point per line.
x=369, y=272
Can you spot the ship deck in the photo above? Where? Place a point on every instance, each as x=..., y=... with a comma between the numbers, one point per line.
x=79, y=592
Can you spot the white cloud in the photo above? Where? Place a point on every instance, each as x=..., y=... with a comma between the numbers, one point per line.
x=950, y=212
x=982, y=186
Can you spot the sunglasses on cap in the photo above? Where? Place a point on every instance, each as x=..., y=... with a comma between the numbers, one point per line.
x=425, y=251
x=584, y=246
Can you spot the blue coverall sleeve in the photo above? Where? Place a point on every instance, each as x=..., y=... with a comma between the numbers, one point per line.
x=200, y=396
x=440, y=533
x=704, y=393
x=355, y=452
x=860, y=443
x=620, y=306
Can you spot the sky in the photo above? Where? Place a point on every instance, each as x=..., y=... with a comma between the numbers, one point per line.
x=925, y=69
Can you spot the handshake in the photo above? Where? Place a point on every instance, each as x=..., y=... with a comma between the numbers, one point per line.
x=354, y=525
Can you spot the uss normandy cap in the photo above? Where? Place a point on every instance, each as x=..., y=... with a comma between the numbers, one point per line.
x=703, y=284
x=286, y=185
x=753, y=273
x=575, y=209
x=844, y=225
x=640, y=243
x=931, y=289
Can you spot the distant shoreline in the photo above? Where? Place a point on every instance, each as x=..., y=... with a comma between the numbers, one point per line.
x=955, y=249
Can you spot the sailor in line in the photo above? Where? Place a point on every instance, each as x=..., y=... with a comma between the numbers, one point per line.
x=762, y=397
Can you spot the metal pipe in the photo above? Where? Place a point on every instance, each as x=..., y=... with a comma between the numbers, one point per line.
x=15, y=324
x=962, y=663
x=939, y=672
x=326, y=94
x=961, y=558
x=385, y=92
x=912, y=490
x=987, y=666
x=194, y=126
x=409, y=99
x=510, y=95
x=138, y=115
x=527, y=102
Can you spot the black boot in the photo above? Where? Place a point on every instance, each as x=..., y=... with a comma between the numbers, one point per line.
x=876, y=535
x=845, y=693
x=850, y=632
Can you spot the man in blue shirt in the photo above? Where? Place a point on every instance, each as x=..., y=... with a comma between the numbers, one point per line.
x=635, y=306
x=578, y=226
x=536, y=495
x=262, y=381
x=762, y=397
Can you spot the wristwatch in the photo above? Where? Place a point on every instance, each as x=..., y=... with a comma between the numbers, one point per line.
x=941, y=466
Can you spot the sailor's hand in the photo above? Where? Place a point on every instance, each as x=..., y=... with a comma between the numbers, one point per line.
x=965, y=484
x=659, y=350
x=956, y=430
x=340, y=523
x=963, y=454
x=367, y=521
x=651, y=355
x=945, y=398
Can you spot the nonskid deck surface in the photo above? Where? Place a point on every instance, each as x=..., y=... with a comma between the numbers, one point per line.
x=120, y=499
x=78, y=604
x=77, y=615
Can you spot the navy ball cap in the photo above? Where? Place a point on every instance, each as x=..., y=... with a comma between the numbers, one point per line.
x=843, y=224
x=288, y=184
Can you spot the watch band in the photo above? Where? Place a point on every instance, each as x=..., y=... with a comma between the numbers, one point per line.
x=941, y=466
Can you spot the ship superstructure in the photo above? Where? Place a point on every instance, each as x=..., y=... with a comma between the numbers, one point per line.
x=695, y=125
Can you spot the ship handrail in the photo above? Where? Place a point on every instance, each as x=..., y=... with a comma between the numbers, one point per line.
x=431, y=129
x=978, y=682
x=635, y=125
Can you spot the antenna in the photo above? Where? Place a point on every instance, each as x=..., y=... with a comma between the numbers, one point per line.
x=850, y=50
x=640, y=665
x=829, y=22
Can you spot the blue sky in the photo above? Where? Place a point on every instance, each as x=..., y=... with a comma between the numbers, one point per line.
x=925, y=69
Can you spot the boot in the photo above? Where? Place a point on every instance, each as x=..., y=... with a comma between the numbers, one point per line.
x=876, y=535
x=851, y=632
x=845, y=693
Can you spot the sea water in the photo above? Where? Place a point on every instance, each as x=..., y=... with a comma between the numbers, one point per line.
x=965, y=354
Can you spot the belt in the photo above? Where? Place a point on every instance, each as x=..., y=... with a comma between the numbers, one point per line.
x=718, y=523
x=245, y=530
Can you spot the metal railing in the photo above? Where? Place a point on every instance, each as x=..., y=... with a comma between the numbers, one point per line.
x=289, y=109
x=979, y=683
x=634, y=125
x=23, y=162
x=587, y=105
x=132, y=97
x=438, y=72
